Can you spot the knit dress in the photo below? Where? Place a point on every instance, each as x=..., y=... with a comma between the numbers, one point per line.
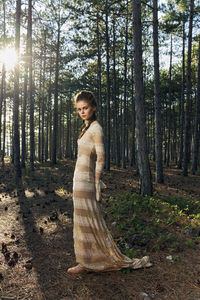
x=94, y=246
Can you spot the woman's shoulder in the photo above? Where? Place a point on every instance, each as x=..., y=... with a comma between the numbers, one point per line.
x=96, y=127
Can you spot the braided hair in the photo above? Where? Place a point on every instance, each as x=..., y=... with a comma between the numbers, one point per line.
x=89, y=97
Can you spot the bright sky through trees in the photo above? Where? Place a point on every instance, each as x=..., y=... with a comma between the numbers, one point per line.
x=8, y=57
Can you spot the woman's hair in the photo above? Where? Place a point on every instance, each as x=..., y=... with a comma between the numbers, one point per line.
x=87, y=96
x=90, y=98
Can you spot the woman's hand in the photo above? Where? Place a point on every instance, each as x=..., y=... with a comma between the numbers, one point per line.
x=98, y=191
x=100, y=188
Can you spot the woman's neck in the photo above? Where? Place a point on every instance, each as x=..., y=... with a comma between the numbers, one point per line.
x=87, y=122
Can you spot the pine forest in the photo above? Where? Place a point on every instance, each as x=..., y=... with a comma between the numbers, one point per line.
x=141, y=59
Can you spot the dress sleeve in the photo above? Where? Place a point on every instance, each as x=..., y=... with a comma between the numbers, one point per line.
x=99, y=147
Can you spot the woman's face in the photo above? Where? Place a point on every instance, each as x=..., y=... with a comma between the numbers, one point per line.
x=85, y=110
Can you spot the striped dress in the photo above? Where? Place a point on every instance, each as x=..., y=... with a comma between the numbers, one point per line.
x=93, y=244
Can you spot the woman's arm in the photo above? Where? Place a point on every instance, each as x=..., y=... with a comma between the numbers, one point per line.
x=99, y=148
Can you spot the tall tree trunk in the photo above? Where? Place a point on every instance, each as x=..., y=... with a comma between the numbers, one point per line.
x=24, y=108
x=4, y=127
x=107, y=94
x=195, y=152
x=158, y=116
x=165, y=133
x=174, y=148
x=187, y=137
x=16, y=143
x=169, y=110
x=2, y=98
x=67, y=151
x=43, y=98
x=142, y=153
x=60, y=131
x=3, y=73
x=31, y=98
x=50, y=134
x=55, y=120
x=70, y=152
x=182, y=102
x=132, y=154
x=48, y=114
x=124, y=118
x=115, y=101
x=39, y=110
x=99, y=71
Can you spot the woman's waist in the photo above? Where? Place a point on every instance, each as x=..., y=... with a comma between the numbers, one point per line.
x=84, y=176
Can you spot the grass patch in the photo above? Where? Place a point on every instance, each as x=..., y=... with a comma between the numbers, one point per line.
x=150, y=223
x=186, y=206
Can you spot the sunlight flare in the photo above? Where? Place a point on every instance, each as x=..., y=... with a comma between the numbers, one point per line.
x=8, y=57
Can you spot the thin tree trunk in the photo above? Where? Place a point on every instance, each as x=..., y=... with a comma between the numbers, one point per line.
x=16, y=96
x=153, y=140
x=107, y=94
x=115, y=101
x=142, y=153
x=99, y=71
x=174, y=152
x=124, y=118
x=50, y=134
x=67, y=152
x=43, y=99
x=182, y=100
x=31, y=98
x=48, y=115
x=169, y=111
x=24, y=108
x=55, y=120
x=3, y=73
x=2, y=97
x=60, y=132
x=195, y=152
x=4, y=125
x=187, y=137
x=132, y=154
x=39, y=111
x=158, y=116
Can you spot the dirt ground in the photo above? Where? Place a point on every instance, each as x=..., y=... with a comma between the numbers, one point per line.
x=37, y=244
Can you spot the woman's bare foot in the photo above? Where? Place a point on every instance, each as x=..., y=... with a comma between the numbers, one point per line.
x=76, y=270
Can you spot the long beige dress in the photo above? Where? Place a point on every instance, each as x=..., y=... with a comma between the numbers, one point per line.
x=93, y=244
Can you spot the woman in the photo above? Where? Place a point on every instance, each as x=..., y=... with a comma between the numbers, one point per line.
x=94, y=247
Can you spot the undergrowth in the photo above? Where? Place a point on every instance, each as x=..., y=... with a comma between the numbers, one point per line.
x=149, y=223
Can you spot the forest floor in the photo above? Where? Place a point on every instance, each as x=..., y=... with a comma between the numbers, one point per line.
x=37, y=244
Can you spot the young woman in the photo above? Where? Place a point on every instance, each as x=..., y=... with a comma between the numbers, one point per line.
x=94, y=247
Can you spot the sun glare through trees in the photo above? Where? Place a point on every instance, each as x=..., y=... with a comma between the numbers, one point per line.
x=8, y=57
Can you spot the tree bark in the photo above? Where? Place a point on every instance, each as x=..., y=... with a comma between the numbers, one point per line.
x=16, y=142
x=182, y=102
x=99, y=72
x=48, y=138
x=4, y=127
x=24, y=107
x=187, y=137
x=55, y=119
x=31, y=98
x=169, y=105
x=158, y=116
x=124, y=118
x=107, y=94
x=43, y=99
x=132, y=154
x=39, y=110
x=195, y=152
x=3, y=75
x=115, y=101
x=141, y=139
